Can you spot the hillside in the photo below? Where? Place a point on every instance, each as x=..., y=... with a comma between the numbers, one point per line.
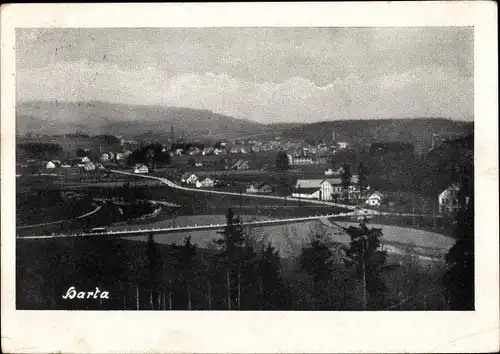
x=128, y=120
x=364, y=132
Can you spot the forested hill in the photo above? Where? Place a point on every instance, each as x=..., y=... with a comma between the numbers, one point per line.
x=364, y=132
x=97, y=117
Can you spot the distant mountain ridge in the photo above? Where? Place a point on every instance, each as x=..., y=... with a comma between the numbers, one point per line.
x=416, y=131
x=154, y=122
x=102, y=117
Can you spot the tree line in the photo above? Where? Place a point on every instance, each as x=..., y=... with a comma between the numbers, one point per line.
x=150, y=154
x=239, y=274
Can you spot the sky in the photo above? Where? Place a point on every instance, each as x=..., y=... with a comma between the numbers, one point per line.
x=268, y=75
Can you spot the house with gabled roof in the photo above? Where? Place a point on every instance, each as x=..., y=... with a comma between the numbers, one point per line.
x=207, y=151
x=189, y=178
x=240, y=165
x=141, y=168
x=206, y=183
x=375, y=199
x=261, y=188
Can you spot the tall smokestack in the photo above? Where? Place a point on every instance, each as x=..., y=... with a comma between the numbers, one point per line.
x=172, y=132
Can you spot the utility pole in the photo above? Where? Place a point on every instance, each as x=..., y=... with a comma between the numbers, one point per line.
x=434, y=213
x=364, y=270
x=260, y=294
x=137, y=297
x=228, y=291
x=239, y=291
x=300, y=201
x=209, y=296
x=170, y=294
x=413, y=207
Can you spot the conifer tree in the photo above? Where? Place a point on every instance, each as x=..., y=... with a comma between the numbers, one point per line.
x=458, y=279
x=271, y=287
x=365, y=254
x=231, y=243
x=316, y=260
x=154, y=265
x=187, y=268
x=346, y=180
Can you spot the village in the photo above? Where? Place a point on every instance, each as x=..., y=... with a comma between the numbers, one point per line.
x=272, y=166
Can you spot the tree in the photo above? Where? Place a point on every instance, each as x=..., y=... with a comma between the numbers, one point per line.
x=247, y=277
x=362, y=184
x=187, y=267
x=282, y=162
x=82, y=152
x=316, y=260
x=346, y=180
x=231, y=244
x=154, y=265
x=458, y=279
x=271, y=287
x=191, y=162
x=150, y=154
x=363, y=252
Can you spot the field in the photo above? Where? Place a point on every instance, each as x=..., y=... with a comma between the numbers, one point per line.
x=286, y=238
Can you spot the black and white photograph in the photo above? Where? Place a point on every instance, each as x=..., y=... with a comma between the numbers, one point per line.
x=245, y=168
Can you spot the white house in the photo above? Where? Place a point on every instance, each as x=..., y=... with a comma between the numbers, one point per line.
x=123, y=155
x=105, y=156
x=342, y=144
x=206, y=183
x=193, y=151
x=448, y=199
x=89, y=166
x=50, y=164
x=220, y=151
x=322, y=189
x=375, y=199
x=189, y=178
x=207, y=151
x=143, y=169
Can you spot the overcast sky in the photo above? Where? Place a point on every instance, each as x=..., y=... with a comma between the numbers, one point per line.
x=263, y=74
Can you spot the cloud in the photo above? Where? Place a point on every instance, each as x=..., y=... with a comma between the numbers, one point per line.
x=418, y=92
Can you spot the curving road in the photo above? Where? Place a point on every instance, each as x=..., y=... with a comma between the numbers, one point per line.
x=209, y=191
x=60, y=221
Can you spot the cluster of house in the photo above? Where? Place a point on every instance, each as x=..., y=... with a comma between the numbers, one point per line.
x=191, y=178
x=227, y=164
x=112, y=156
x=302, y=160
x=207, y=182
x=260, y=188
x=334, y=171
x=80, y=162
x=329, y=189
